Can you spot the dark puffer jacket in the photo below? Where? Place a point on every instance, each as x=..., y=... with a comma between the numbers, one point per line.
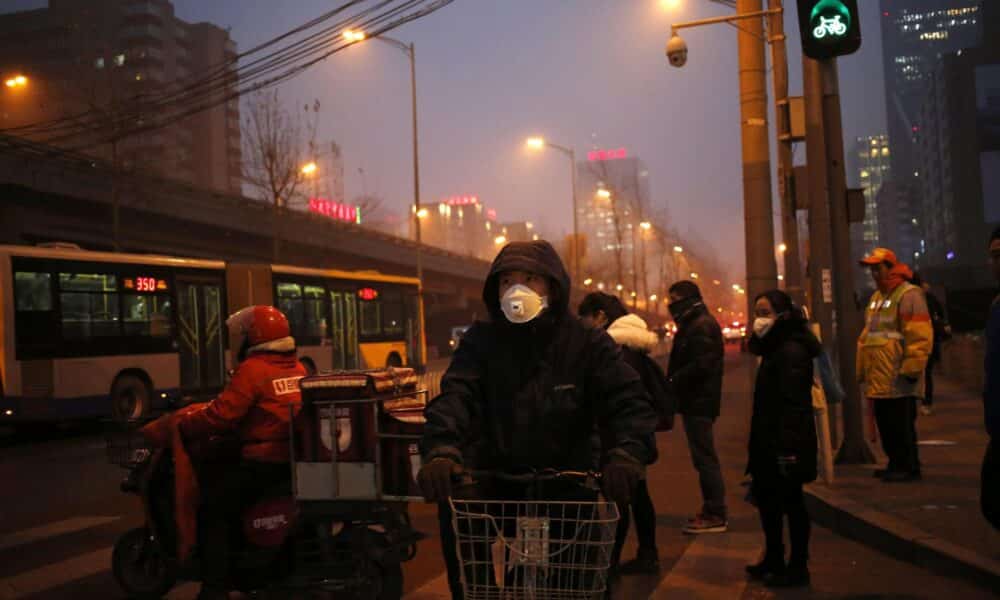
x=529, y=396
x=694, y=373
x=782, y=422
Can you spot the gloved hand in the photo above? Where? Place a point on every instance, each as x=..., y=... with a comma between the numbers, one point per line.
x=434, y=478
x=619, y=478
x=911, y=379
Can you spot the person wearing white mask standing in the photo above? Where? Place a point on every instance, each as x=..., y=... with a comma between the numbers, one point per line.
x=782, y=447
x=526, y=389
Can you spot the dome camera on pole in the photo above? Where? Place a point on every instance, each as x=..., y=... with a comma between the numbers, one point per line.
x=677, y=51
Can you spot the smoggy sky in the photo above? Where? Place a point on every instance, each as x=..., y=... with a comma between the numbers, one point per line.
x=584, y=73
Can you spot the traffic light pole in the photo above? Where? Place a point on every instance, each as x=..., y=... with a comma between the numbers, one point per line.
x=820, y=257
x=854, y=449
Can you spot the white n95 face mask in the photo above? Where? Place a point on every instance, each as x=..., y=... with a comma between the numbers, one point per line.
x=762, y=325
x=521, y=304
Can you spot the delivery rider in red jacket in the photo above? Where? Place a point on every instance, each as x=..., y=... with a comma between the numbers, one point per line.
x=254, y=407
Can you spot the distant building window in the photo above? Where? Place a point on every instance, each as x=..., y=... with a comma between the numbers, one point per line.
x=99, y=63
x=120, y=60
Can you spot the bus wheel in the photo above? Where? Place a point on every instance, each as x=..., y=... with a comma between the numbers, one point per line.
x=394, y=360
x=130, y=398
x=309, y=365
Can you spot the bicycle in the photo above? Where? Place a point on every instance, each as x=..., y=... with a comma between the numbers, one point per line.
x=535, y=549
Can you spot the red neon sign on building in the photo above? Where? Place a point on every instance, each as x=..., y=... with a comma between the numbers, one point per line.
x=462, y=200
x=335, y=210
x=596, y=155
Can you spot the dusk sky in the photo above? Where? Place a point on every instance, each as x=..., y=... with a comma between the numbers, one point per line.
x=586, y=73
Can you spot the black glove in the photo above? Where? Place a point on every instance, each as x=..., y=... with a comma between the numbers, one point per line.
x=434, y=478
x=911, y=379
x=619, y=478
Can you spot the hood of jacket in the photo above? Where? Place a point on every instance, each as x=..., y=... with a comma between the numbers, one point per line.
x=631, y=331
x=534, y=257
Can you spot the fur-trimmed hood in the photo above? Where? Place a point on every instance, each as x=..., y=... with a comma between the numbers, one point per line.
x=285, y=344
x=631, y=331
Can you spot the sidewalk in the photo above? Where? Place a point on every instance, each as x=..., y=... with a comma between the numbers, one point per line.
x=936, y=522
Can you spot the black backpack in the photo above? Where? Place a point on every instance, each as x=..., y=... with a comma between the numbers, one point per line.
x=655, y=382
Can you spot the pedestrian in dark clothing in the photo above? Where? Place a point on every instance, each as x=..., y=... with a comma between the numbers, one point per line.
x=604, y=311
x=942, y=333
x=990, y=484
x=783, y=444
x=694, y=377
x=526, y=390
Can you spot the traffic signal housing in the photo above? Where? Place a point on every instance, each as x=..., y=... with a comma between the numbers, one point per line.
x=829, y=28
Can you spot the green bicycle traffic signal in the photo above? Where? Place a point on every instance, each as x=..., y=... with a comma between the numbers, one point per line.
x=829, y=27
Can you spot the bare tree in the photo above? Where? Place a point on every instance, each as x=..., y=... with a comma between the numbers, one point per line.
x=276, y=144
x=371, y=207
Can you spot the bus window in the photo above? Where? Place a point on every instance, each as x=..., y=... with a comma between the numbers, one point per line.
x=33, y=291
x=290, y=303
x=148, y=315
x=393, y=320
x=88, y=305
x=314, y=324
x=370, y=316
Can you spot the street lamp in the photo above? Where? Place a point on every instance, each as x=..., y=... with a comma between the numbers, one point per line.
x=588, y=281
x=500, y=240
x=17, y=81
x=422, y=213
x=678, y=249
x=603, y=194
x=309, y=168
x=646, y=225
x=411, y=53
x=540, y=143
x=782, y=247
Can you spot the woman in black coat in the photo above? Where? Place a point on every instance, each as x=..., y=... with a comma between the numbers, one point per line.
x=782, y=435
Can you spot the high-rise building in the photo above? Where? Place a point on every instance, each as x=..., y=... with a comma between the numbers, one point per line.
x=94, y=58
x=869, y=168
x=613, y=198
x=958, y=151
x=914, y=34
x=462, y=224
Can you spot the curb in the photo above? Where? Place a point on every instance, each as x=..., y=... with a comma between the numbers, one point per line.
x=898, y=538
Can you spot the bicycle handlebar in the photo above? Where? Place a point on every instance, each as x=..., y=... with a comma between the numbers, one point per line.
x=471, y=475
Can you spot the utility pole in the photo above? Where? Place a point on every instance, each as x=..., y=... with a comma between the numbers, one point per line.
x=854, y=449
x=783, y=133
x=762, y=272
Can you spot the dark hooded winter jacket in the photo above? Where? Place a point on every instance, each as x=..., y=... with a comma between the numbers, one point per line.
x=529, y=395
x=782, y=422
x=694, y=373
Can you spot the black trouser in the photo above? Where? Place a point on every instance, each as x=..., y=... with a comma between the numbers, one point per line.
x=990, y=491
x=645, y=524
x=929, y=382
x=778, y=497
x=223, y=498
x=706, y=462
x=481, y=570
x=896, y=418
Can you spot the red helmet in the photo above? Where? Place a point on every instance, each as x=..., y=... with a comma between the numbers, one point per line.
x=258, y=324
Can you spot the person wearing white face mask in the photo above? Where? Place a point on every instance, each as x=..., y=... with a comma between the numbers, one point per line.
x=526, y=389
x=782, y=447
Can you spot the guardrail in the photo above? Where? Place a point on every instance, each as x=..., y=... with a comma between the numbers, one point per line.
x=431, y=381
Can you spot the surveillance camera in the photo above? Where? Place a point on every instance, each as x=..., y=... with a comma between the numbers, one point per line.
x=677, y=51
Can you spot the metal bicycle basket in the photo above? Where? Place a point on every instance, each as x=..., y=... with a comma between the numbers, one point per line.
x=530, y=550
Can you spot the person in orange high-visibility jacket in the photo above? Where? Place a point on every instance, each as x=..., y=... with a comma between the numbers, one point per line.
x=256, y=406
x=893, y=351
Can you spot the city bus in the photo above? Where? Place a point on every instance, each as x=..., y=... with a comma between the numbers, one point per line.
x=93, y=334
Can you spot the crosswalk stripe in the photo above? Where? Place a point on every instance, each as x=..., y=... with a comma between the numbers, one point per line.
x=55, y=574
x=711, y=567
x=435, y=589
x=49, y=530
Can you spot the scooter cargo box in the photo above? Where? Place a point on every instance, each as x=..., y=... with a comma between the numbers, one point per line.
x=360, y=418
x=349, y=399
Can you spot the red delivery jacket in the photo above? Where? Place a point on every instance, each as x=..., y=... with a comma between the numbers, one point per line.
x=255, y=405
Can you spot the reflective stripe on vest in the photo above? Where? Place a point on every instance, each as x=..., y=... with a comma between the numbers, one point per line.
x=883, y=314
